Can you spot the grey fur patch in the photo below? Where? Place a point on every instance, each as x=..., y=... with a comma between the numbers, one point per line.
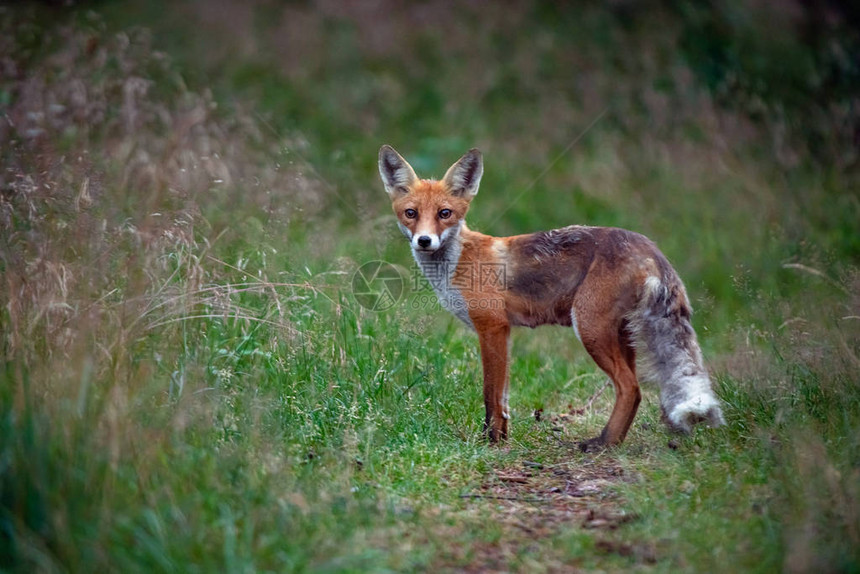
x=551, y=243
x=439, y=267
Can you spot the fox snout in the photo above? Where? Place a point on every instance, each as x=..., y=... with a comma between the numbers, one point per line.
x=426, y=242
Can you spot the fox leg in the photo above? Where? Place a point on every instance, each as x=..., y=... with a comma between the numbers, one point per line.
x=611, y=348
x=494, y=341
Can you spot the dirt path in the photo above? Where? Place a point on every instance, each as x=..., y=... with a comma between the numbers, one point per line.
x=533, y=503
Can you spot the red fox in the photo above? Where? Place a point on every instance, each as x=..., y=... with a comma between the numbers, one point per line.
x=613, y=286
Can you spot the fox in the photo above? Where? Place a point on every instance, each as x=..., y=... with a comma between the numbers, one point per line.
x=614, y=287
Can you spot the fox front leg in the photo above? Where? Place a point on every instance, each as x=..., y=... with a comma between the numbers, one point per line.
x=494, y=359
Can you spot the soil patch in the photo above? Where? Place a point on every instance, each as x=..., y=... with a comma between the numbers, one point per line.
x=532, y=502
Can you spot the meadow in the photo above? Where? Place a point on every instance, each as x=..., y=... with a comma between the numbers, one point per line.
x=189, y=381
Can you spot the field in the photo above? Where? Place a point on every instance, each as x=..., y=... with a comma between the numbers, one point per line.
x=193, y=377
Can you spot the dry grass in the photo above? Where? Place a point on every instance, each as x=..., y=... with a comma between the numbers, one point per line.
x=101, y=246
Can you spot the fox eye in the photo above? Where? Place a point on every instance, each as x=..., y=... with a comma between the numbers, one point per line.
x=444, y=213
x=410, y=213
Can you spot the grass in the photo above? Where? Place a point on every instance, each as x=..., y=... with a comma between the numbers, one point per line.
x=188, y=383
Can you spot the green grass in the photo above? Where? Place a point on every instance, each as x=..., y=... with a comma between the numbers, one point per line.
x=187, y=382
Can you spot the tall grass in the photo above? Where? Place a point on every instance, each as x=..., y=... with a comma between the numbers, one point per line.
x=187, y=382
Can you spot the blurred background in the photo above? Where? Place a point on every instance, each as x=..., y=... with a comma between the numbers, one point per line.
x=736, y=122
x=187, y=188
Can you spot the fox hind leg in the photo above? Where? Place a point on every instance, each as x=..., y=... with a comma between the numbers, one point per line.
x=612, y=349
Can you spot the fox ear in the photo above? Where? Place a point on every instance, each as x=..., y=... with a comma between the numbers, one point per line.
x=464, y=177
x=397, y=175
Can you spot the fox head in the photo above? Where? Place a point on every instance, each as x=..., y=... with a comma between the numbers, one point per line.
x=430, y=213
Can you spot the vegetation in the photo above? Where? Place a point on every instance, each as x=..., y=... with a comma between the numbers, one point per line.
x=188, y=382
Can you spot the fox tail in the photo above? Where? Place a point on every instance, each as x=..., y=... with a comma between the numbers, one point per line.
x=666, y=341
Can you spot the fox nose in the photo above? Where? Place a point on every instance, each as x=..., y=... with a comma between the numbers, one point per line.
x=424, y=241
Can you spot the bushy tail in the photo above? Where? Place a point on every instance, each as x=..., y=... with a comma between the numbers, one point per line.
x=671, y=355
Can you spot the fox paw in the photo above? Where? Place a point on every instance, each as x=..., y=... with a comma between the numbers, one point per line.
x=595, y=444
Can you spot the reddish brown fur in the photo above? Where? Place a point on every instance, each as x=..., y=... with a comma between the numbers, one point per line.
x=428, y=197
x=599, y=274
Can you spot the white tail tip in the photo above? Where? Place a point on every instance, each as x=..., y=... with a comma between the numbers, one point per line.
x=702, y=408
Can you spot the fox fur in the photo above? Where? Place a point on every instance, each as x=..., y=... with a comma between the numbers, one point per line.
x=614, y=287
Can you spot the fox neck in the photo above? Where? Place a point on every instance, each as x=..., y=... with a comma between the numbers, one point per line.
x=439, y=268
